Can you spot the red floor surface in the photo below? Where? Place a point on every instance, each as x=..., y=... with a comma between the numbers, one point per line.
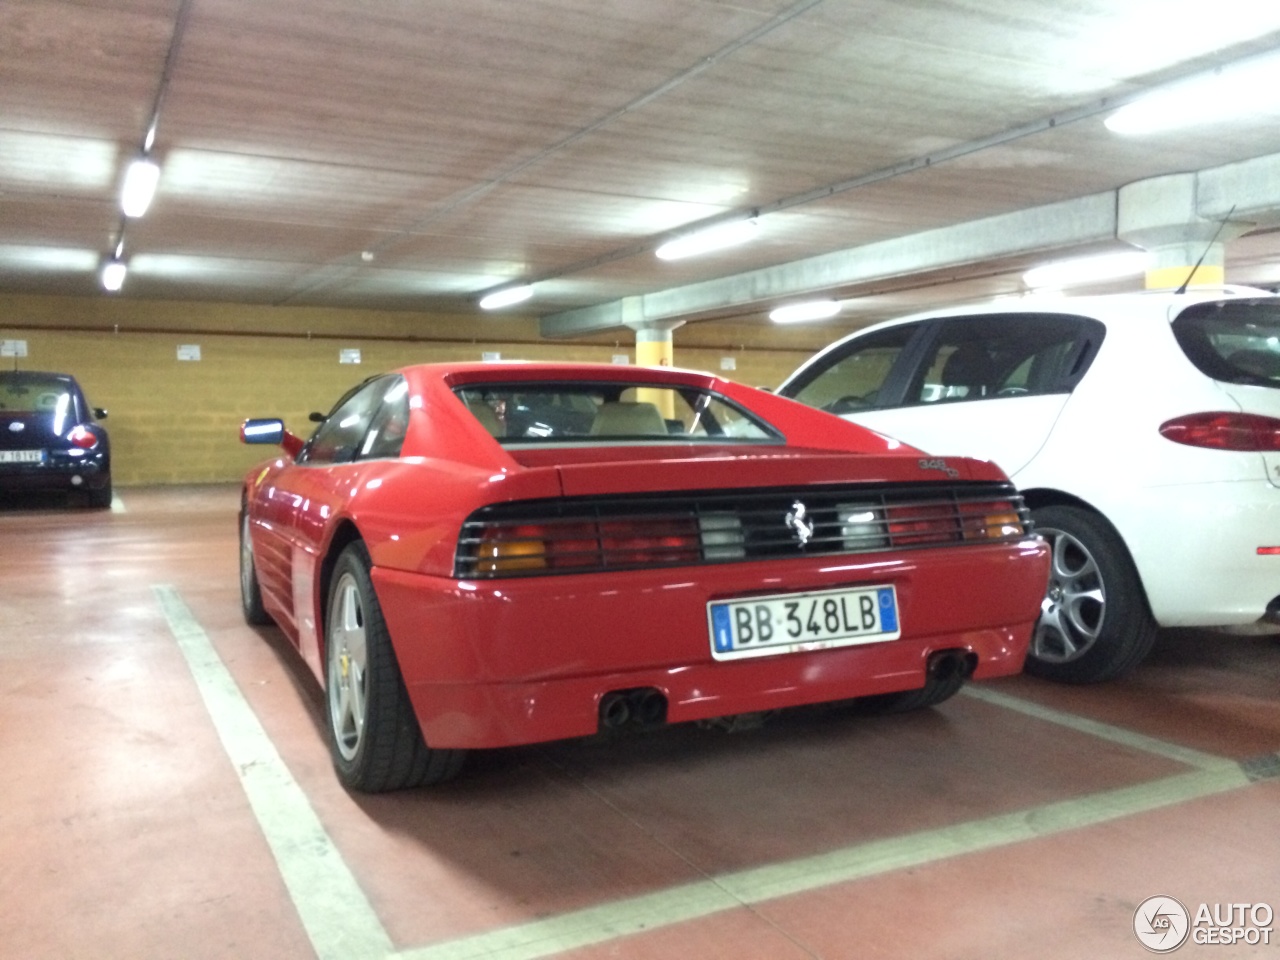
x=126, y=830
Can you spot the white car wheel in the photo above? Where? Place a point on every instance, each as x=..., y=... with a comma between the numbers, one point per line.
x=1094, y=623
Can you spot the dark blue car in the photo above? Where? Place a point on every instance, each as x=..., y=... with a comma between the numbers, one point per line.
x=50, y=439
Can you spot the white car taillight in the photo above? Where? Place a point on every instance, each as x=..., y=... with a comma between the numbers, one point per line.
x=1222, y=430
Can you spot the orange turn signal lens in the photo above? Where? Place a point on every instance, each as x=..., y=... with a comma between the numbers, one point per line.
x=1001, y=525
x=997, y=520
x=500, y=555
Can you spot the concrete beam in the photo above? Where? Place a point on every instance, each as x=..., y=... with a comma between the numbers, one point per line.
x=1054, y=226
x=1251, y=186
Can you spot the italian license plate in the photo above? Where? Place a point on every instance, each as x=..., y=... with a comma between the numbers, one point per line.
x=21, y=456
x=792, y=622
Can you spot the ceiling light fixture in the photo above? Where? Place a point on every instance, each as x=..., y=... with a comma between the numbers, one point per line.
x=704, y=241
x=139, y=187
x=113, y=272
x=506, y=296
x=1081, y=270
x=1234, y=91
x=805, y=312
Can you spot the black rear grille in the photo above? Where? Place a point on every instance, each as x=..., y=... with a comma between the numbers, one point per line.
x=582, y=535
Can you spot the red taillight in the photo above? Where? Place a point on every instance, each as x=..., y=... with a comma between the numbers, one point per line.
x=922, y=523
x=1225, y=431
x=944, y=522
x=82, y=438
x=588, y=544
x=628, y=542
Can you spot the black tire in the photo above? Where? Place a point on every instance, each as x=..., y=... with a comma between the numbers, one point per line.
x=937, y=688
x=1094, y=622
x=100, y=497
x=250, y=591
x=373, y=734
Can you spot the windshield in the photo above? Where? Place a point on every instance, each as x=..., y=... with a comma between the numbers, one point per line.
x=1235, y=341
x=610, y=413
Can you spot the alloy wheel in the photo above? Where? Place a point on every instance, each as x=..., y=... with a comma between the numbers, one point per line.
x=348, y=668
x=1074, y=604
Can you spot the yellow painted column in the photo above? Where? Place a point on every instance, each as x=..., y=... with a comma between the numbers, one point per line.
x=1207, y=274
x=655, y=347
x=654, y=353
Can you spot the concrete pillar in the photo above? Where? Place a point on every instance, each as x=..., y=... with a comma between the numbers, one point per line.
x=1159, y=215
x=655, y=347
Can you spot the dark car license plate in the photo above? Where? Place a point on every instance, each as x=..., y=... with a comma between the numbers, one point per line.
x=21, y=456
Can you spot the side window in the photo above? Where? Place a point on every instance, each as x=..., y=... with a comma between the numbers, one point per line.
x=390, y=423
x=1005, y=355
x=339, y=438
x=852, y=379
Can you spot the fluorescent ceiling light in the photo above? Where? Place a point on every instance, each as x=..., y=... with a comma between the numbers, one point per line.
x=1066, y=273
x=1236, y=91
x=113, y=275
x=704, y=241
x=139, y=187
x=507, y=296
x=805, y=312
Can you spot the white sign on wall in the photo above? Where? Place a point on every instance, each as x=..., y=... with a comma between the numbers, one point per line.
x=728, y=363
x=349, y=355
x=13, y=348
x=188, y=351
x=490, y=356
x=622, y=358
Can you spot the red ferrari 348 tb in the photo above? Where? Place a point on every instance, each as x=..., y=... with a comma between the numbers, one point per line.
x=484, y=555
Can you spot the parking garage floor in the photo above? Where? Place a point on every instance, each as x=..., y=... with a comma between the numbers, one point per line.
x=167, y=793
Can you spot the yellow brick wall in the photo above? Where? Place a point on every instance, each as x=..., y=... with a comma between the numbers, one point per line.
x=175, y=421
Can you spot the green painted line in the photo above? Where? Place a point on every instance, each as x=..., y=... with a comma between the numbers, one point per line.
x=1103, y=731
x=335, y=913
x=543, y=938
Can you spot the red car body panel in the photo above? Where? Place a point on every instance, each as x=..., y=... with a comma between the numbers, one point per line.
x=513, y=660
x=521, y=661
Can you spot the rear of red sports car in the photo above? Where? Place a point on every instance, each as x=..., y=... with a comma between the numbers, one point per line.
x=554, y=550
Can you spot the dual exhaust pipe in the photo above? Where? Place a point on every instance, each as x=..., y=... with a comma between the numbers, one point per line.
x=639, y=707
x=646, y=707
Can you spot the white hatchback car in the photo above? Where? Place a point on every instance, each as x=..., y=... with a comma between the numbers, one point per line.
x=1143, y=430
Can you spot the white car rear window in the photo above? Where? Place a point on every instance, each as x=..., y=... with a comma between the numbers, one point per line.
x=1234, y=341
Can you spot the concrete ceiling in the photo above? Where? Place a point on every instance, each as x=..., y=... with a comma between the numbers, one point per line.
x=414, y=154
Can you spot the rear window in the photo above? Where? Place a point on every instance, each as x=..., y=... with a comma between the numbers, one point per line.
x=25, y=393
x=549, y=413
x=1234, y=341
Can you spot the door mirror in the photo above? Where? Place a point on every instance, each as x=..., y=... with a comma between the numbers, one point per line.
x=262, y=430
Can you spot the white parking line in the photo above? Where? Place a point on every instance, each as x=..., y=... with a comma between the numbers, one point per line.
x=341, y=922
x=544, y=938
x=1103, y=731
x=334, y=910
